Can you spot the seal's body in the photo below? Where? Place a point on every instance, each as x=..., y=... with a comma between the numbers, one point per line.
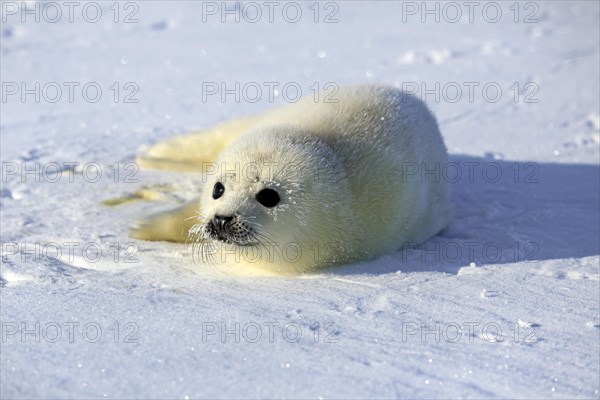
x=311, y=184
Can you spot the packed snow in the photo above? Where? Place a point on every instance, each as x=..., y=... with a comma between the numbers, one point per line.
x=503, y=304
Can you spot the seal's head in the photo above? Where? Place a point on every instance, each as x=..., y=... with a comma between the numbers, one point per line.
x=276, y=200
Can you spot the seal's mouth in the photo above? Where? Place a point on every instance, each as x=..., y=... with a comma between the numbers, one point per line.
x=229, y=240
x=224, y=236
x=236, y=243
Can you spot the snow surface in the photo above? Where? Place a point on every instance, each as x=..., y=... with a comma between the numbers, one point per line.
x=386, y=328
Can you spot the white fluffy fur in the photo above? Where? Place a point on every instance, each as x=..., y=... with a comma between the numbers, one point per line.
x=338, y=168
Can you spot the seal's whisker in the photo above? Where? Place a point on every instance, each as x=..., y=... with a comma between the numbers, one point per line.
x=261, y=233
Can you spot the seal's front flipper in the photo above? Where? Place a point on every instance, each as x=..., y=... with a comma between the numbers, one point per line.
x=168, y=226
x=189, y=152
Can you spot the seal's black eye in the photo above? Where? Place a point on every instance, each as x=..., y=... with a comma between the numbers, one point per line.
x=218, y=190
x=268, y=198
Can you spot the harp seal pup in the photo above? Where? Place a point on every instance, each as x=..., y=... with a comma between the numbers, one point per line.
x=309, y=185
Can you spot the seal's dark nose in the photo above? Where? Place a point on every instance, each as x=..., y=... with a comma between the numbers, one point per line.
x=221, y=222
